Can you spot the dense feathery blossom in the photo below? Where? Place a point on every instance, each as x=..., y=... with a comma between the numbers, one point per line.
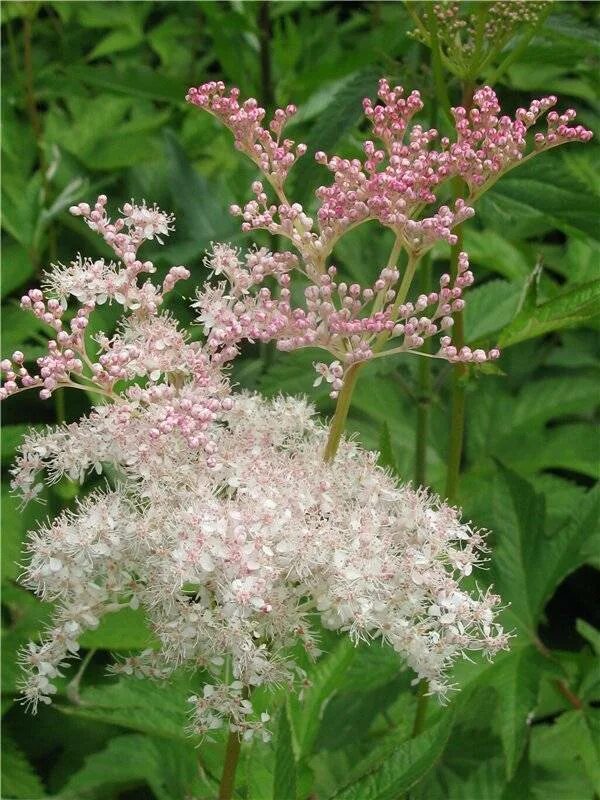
x=215, y=512
x=398, y=183
x=237, y=560
x=177, y=384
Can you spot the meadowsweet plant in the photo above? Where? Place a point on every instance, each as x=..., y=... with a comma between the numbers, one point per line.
x=221, y=520
x=234, y=522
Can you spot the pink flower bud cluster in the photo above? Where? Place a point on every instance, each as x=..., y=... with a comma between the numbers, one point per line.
x=397, y=183
x=274, y=156
x=234, y=562
x=489, y=144
x=65, y=351
x=348, y=321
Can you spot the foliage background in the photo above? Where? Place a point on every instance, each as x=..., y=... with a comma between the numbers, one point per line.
x=93, y=102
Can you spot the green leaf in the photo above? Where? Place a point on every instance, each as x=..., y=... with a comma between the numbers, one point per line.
x=202, y=220
x=326, y=678
x=527, y=564
x=545, y=193
x=575, y=738
x=495, y=252
x=590, y=634
x=284, y=779
x=557, y=767
x=405, y=764
x=568, y=309
x=169, y=768
x=27, y=617
x=125, y=630
x=342, y=113
x=518, y=516
x=139, y=704
x=17, y=267
x=573, y=447
x=489, y=308
x=135, y=81
x=19, y=330
x=12, y=436
x=19, y=779
x=122, y=39
x=543, y=400
x=16, y=521
x=516, y=678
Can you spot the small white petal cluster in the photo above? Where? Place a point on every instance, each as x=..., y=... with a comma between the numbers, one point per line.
x=234, y=555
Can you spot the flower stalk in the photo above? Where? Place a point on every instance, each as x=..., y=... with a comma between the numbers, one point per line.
x=232, y=755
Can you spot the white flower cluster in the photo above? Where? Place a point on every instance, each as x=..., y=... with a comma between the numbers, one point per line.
x=234, y=557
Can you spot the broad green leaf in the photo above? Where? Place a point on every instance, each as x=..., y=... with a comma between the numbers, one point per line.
x=403, y=766
x=125, y=630
x=325, y=678
x=489, y=308
x=573, y=447
x=284, y=778
x=21, y=209
x=551, y=398
x=538, y=196
x=371, y=668
x=19, y=779
x=495, y=252
x=356, y=718
x=201, y=220
x=293, y=373
x=557, y=769
x=342, y=113
x=135, y=81
x=12, y=436
x=527, y=564
x=17, y=267
x=568, y=309
x=516, y=678
x=561, y=496
x=142, y=705
x=26, y=617
x=116, y=41
x=571, y=748
x=22, y=331
x=16, y=521
x=125, y=15
x=169, y=768
x=518, y=516
x=257, y=761
x=519, y=786
x=576, y=349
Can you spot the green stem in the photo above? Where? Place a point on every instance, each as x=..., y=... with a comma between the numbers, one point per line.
x=459, y=371
x=59, y=405
x=457, y=402
x=232, y=755
x=423, y=396
x=436, y=64
x=338, y=423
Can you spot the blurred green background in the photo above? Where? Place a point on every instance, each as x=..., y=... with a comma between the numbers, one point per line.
x=93, y=101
